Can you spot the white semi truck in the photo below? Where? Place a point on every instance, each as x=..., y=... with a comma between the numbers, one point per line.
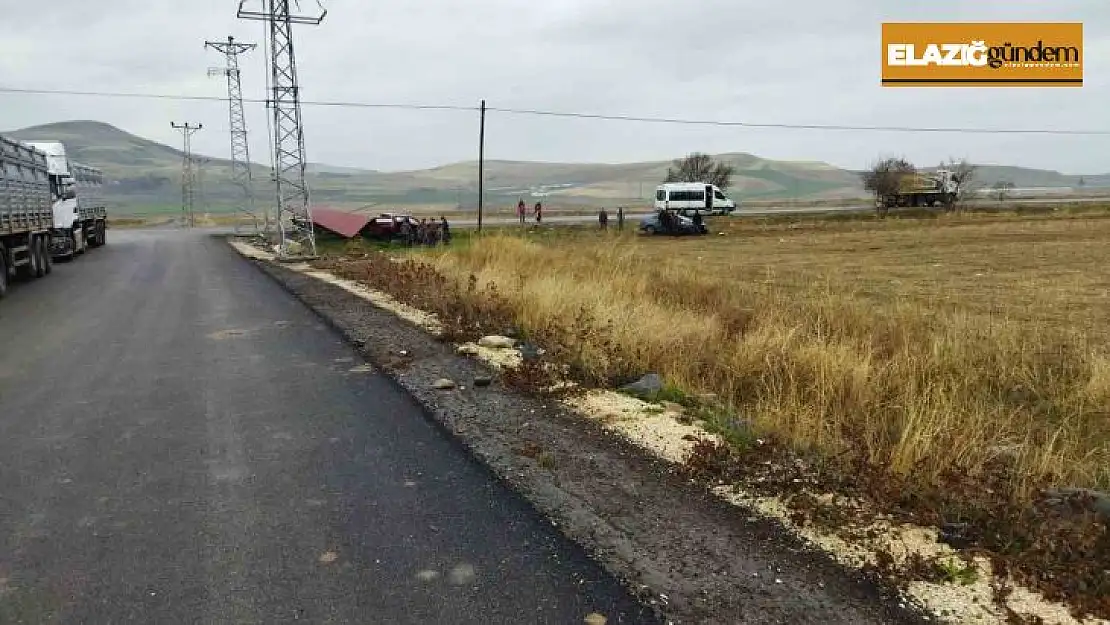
x=49, y=209
x=80, y=214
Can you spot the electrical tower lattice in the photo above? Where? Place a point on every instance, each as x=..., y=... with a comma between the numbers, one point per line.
x=294, y=212
x=240, y=150
x=188, y=173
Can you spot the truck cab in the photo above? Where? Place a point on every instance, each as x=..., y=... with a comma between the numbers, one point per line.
x=686, y=197
x=80, y=215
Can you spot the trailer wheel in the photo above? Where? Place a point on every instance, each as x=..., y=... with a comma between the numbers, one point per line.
x=37, y=250
x=47, y=258
x=30, y=270
x=3, y=271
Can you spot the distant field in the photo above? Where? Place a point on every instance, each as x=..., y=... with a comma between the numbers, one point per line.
x=144, y=174
x=148, y=219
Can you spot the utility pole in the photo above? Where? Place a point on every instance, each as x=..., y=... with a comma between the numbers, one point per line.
x=481, y=163
x=294, y=211
x=240, y=150
x=188, y=175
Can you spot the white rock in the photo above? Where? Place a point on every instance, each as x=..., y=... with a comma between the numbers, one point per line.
x=494, y=341
x=469, y=349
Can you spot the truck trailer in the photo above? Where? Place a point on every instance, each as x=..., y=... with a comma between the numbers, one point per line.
x=80, y=214
x=50, y=209
x=26, y=213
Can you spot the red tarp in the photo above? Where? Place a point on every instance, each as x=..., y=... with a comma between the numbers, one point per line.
x=340, y=222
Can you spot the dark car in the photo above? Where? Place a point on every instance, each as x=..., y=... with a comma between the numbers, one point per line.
x=386, y=226
x=679, y=225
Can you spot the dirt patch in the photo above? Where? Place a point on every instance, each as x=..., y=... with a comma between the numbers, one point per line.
x=681, y=549
x=979, y=566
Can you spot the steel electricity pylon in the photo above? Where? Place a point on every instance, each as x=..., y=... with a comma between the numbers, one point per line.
x=188, y=173
x=240, y=149
x=294, y=211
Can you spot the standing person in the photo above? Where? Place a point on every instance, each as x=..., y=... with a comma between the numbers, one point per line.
x=445, y=228
x=620, y=218
x=433, y=233
x=603, y=219
x=406, y=231
x=520, y=210
x=697, y=218
x=539, y=212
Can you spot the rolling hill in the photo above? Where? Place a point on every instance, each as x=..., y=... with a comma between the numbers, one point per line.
x=145, y=177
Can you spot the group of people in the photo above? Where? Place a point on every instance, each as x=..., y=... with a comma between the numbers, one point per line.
x=603, y=218
x=425, y=232
x=522, y=211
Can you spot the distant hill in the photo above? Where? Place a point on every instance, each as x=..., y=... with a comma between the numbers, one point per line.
x=145, y=177
x=1024, y=177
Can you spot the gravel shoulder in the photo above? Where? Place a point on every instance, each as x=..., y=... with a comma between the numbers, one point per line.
x=682, y=550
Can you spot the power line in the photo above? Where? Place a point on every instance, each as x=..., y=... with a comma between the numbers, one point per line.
x=206, y=98
x=597, y=116
x=841, y=127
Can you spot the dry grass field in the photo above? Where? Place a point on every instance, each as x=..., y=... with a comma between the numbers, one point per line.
x=919, y=346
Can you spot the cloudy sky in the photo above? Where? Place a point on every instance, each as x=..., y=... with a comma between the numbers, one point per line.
x=791, y=61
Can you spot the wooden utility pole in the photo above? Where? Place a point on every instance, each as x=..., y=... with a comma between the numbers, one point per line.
x=481, y=163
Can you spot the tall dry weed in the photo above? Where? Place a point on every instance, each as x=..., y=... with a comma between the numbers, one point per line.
x=917, y=390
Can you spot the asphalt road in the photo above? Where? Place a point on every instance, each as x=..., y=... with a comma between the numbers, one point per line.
x=182, y=442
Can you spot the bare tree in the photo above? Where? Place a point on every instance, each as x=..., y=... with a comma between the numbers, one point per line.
x=963, y=176
x=1002, y=190
x=698, y=167
x=884, y=178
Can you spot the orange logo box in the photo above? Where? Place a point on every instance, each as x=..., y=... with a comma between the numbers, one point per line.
x=1017, y=54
